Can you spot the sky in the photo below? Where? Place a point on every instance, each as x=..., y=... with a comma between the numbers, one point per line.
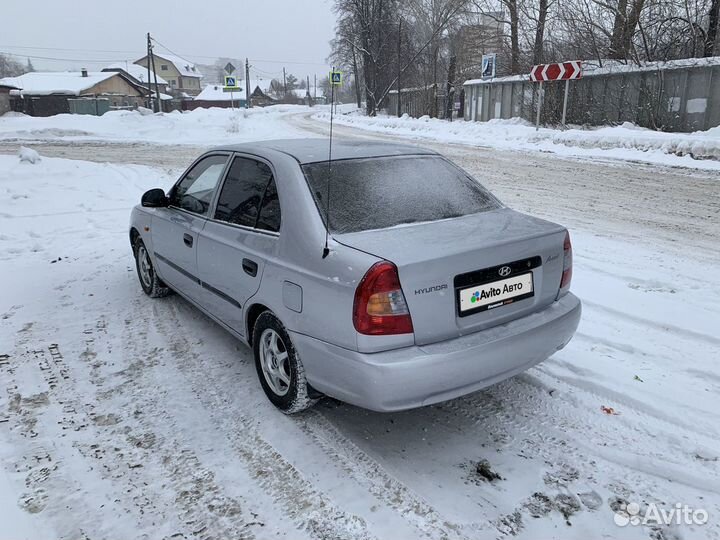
x=273, y=34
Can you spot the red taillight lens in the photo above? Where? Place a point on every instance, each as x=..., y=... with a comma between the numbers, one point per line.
x=567, y=263
x=380, y=307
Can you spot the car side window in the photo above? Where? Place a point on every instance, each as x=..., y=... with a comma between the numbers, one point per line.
x=195, y=191
x=269, y=218
x=245, y=193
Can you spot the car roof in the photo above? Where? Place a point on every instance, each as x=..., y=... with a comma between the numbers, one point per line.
x=315, y=150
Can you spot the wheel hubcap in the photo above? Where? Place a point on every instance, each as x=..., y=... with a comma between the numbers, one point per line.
x=274, y=362
x=145, y=266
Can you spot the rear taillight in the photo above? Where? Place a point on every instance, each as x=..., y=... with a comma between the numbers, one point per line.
x=567, y=266
x=380, y=307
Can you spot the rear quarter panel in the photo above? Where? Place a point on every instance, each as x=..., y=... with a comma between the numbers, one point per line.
x=327, y=284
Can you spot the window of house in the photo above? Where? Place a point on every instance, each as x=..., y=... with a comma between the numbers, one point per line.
x=195, y=191
x=163, y=67
x=249, y=196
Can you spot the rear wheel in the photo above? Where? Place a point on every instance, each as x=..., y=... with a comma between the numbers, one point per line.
x=279, y=368
x=150, y=283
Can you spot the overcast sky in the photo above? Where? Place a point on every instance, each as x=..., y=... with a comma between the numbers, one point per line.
x=272, y=33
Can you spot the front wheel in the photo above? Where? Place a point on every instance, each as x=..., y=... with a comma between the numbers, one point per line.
x=278, y=364
x=150, y=283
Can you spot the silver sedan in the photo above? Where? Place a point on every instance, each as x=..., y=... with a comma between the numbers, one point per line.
x=386, y=277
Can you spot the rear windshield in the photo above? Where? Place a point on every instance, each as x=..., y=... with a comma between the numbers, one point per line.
x=377, y=193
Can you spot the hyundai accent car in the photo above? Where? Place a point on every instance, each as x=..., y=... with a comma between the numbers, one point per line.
x=385, y=277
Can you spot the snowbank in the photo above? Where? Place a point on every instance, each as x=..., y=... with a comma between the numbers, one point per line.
x=28, y=155
x=627, y=141
x=201, y=126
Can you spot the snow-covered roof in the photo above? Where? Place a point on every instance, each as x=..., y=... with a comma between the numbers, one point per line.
x=215, y=92
x=592, y=68
x=137, y=72
x=302, y=92
x=186, y=69
x=46, y=83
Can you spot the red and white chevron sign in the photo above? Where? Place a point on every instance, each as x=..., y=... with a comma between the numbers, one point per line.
x=557, y=72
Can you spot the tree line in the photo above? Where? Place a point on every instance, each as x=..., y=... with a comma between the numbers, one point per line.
x=12, y=68
x=390, y=44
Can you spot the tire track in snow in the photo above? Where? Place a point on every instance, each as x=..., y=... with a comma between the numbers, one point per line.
x=370, y=474
x=202, y=506
x=310, y=509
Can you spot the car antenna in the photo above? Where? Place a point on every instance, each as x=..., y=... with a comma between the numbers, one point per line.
x=326, y=249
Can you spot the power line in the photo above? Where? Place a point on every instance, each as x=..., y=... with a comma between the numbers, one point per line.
x=174, y=53
x=132, y=52
x=17, y=55
x=64, y=49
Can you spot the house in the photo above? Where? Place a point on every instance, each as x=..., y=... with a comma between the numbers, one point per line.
x=5, y=97
x=140, y=75
x=215, y=96
x=49, y=93
x=181, y=75
x=301, y=94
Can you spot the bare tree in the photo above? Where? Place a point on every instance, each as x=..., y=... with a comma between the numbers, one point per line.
x=712, y=32
x=12, y=68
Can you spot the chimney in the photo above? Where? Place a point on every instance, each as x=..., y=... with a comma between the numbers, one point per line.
x=83, y=71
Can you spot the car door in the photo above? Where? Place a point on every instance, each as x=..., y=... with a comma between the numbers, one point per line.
x=236, y=242
x=175, y=229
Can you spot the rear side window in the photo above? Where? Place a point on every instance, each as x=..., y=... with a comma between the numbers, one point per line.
x=377, y=193
x=195, y=191
x=248, y=196
x=269, y=219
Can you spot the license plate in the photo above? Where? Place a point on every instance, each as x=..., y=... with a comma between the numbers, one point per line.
x=496, y=293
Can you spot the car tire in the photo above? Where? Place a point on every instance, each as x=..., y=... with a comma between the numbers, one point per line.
x=279, y=367
x=151, y=284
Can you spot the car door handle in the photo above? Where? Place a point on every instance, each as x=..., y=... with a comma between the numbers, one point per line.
x=250, y=267
x=188, y=239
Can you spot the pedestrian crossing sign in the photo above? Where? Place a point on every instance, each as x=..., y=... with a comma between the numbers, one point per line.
x=230, y=81
x=336, y=78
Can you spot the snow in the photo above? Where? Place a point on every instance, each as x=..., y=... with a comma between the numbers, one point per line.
x=200, y=127
x=593, y=68
x=28, y=155
x=216, y=93
x=626, y=142
x=127, y=417
x=46, y=83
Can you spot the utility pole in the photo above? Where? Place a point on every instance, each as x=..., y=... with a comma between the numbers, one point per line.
x=149, y=96
x=307, y=78
x=399, y=109
x=315, y=87
x=247, y=84
x=284, y=83
x=157, y=88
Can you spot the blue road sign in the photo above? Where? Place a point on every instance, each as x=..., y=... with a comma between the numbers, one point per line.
x=336, y=78
x=230, y=81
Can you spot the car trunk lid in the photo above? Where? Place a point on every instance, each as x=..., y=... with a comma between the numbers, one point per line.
x=496, y=256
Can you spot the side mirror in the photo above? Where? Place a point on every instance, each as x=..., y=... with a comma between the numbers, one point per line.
x=155, y=198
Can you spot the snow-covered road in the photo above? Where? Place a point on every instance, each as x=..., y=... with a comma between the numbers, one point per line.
x=123, y=417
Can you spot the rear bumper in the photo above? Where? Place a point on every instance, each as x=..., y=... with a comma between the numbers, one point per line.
x=421, y=375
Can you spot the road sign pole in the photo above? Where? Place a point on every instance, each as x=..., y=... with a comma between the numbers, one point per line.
x=567, y=88
x=248, y=103
x=232, y=101
x=539, y=106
